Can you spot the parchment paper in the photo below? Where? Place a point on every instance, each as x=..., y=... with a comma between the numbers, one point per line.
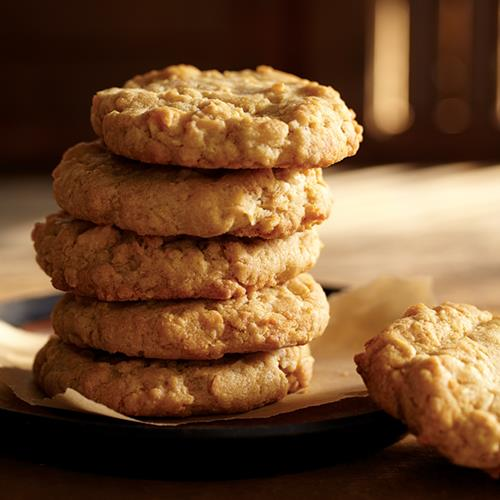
x=356, y=315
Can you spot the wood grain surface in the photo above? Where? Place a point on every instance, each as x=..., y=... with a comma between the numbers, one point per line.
x=442, y=221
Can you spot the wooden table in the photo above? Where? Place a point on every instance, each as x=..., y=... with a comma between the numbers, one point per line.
x=442, y=221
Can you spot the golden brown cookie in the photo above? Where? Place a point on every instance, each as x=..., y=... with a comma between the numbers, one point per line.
x=439, y=371
x=236, y=119
x=264, y=320
x=92, y=184
x=114, y=265
x=146, y=387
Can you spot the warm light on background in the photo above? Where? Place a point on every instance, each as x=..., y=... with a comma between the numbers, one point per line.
x=423, y=76
x=388, y=107
x=432, y=78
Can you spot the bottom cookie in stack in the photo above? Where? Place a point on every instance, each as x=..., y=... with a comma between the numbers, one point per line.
x=152, y=387
x=187, y=357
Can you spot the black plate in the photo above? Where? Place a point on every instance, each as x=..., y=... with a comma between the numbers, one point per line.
x=301, y=439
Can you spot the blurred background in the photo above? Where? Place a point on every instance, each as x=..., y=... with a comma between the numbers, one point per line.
x=422, y=75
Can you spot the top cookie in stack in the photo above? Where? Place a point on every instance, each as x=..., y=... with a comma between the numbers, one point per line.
x=236, y=119
x=206, y=188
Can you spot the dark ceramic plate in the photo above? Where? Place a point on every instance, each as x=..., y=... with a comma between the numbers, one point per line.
x=298, y=440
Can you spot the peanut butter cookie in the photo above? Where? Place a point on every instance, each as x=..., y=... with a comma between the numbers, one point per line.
x=263, y=320
x=146, y=387
x=92, y=184
x=114, y=265
x=236, y=119
x=439, y=371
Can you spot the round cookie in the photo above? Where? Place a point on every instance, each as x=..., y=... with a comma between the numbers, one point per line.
x=92, y=184
x=145, y=387
x=439, y=371
x=264, y=320
x=236, y=119
x=114, y=265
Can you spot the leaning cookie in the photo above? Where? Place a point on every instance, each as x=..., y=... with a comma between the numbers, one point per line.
x=263, y=320
x=236, y=119
x=439, y=371
x=92, y=184
x=115, y=265
x=145, y=387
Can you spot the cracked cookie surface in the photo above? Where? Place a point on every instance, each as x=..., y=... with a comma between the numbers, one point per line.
x=92, y=184
x=115, y=265
x=260, y=118
x=439, y=371
x=145, y=387
x=263, y=320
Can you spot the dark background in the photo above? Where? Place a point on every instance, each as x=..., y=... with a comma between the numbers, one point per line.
x=56, y=55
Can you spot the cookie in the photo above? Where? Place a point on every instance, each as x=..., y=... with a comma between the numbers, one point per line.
x=439, y=371
x=114, y=265
x=236, y=119
x=264, y=320
x=146, y=387
x=92, y=184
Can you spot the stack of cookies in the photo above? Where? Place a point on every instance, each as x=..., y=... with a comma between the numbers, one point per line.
x=184, y=239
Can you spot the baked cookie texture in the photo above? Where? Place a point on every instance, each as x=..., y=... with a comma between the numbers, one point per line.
x=439, y=371
x=260, y=118
x=263, y=320
x=147, y=387
x=92, y=184
x=115, y=265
